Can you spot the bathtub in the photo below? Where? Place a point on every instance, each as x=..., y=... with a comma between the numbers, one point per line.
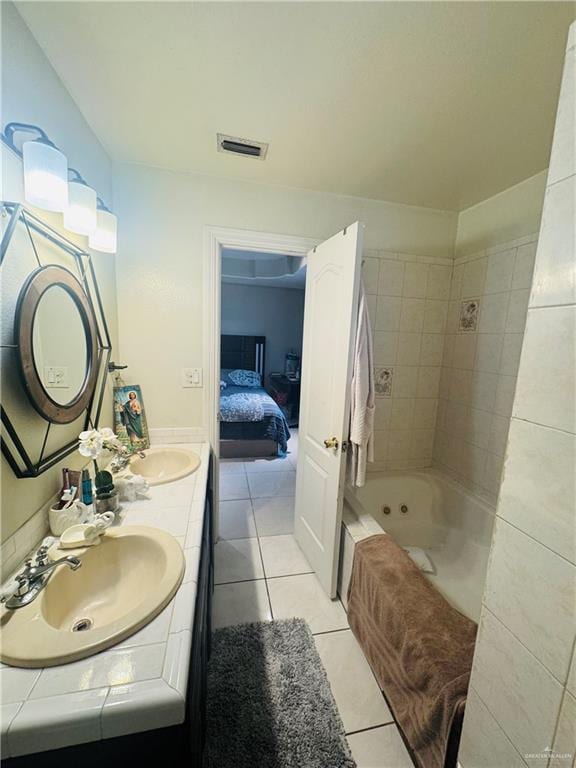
x=424, y=509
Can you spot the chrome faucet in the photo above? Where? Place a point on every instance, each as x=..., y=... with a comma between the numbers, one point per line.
x=36, y=574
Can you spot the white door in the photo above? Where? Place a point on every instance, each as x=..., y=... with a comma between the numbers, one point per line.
x=330, y=312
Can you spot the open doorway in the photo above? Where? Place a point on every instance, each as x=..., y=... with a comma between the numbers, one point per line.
x=261, y=330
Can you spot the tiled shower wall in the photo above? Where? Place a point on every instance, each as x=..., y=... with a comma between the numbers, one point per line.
x=484, y=331
x=444, y=392
x=408, y=301
x=521, y=709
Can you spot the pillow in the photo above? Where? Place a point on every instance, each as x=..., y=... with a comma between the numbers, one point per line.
x=245, y=378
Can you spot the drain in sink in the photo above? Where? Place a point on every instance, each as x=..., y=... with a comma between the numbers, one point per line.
x=82, y=625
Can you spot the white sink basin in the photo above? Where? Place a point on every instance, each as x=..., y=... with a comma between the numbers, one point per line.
x=123, y=583
x=165, y=464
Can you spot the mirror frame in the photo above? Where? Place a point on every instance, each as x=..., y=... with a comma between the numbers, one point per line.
x=22, y=453
x=29, y=299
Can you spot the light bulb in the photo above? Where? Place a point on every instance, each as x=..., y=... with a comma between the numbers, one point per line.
x=80, y=215
x=45, y=176
x=104, y=238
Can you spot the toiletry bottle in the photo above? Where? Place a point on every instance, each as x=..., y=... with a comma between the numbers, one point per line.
x=65, y=485
x=87, y=498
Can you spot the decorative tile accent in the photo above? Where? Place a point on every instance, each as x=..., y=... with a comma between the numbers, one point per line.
x=383, y=381
x=469, y=311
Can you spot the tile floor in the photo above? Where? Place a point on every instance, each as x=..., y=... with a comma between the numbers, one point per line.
x=261, y=574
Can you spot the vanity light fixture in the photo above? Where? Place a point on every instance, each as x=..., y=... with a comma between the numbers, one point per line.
x=104, y=238
x=80, y=215
x=47, y=185
x=45, y=168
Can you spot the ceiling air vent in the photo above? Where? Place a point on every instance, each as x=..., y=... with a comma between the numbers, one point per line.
x=232, y=145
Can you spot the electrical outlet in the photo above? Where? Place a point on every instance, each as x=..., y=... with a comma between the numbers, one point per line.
x=56, y=377
x=191, y=377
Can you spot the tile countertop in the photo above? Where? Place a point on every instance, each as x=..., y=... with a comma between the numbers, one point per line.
x=136, y=685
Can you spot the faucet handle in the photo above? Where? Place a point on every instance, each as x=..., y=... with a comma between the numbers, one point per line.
x=42, y=556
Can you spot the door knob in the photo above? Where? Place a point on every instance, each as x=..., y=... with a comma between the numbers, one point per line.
x=331, y=442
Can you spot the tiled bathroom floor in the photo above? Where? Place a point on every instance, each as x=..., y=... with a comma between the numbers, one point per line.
x=261, y=574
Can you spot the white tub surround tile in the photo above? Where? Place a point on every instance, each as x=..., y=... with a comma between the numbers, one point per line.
x=141, y=678
x=274, y=516
x=538, y=490
x=564, y=748
x=571, y=682
x=139, y=707
x=236, y=520
x=554, y=275
x=517, y=309
x=239, y=603
x=500, y=272
x=282, y=556
x=390, y=278
x=474, y=277
x=415, y=280
x=524, y=265
x=509, y=680
x=271, y=484
x=237, y=560
x=302, y=596
x=380, y=748
x=358, y=697
x=370, y=269
x=388, y=310
x=545, y=392
x=538, y=605
x=563, y=155
x=385, y=347
x=59, y=721
x=484, y=744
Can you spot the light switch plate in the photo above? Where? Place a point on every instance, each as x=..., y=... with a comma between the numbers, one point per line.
x=191, y=377
x=56, y=377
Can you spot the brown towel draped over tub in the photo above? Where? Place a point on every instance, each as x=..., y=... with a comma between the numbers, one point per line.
x=419, y=647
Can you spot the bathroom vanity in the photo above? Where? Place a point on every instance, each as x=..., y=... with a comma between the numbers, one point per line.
x=144, y=697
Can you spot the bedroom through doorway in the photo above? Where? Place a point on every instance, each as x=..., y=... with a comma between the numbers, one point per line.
x=261, y=329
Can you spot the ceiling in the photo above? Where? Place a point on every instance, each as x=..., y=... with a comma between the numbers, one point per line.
x=261, y=269
x=439, y=104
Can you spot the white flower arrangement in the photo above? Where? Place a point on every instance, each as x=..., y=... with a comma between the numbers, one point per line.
x=93, y=441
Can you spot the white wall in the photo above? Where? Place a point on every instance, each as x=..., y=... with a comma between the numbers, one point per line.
x=523, y=687
x=277, y=313
x=507, y=216
x=32, y=92
x=160, y=272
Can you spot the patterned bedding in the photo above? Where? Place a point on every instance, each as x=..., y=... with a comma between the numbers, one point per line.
x=249, y=413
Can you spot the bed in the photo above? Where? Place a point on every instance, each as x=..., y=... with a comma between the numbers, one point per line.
x=251, y=422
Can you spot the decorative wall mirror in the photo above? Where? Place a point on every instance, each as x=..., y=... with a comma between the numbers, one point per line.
x=55, y=344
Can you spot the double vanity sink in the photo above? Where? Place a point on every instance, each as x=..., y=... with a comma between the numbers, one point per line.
x=165, y=464
x=120, y=586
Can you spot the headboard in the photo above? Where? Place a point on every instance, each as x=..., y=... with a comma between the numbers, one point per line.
x=245, y=352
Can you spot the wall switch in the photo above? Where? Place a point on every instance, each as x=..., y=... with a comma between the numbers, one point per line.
x=56, y=377
x=191, y=377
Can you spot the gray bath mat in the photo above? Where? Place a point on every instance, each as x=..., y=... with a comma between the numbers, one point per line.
x=269, y=701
